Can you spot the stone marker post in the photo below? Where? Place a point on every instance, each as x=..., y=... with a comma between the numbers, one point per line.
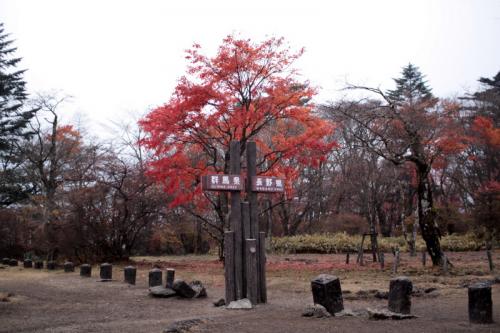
x=155, y=277
x=6, y=261
x=69, y=267
x=327, y=292
x=51, y=265
x=106, y=272
x=169, y=278
x=129, y=274
x=480, y=303
x=28, y=263
x=85, y=270
x=38, y=264
x=400, y=289
x=13, y=262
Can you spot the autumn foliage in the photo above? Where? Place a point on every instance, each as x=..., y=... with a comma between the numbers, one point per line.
x=248, y=91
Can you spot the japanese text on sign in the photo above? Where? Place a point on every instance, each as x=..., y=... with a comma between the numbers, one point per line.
x=267, y=184
x=222, y=183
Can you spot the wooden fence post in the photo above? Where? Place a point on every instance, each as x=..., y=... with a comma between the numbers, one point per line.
x=262, y=267
x=235, y=219
x=229, y=266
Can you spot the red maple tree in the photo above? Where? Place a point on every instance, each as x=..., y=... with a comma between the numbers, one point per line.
x=248, y=91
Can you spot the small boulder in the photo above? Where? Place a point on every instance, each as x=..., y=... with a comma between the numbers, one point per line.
x=161, y=292
x=241, y=304
x=382, y=294
x=183, y=289
x=199, y=289
x=316, y=311
x=220, y=302
x=386, y=314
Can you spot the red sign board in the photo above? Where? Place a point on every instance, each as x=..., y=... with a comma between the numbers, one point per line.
x=267, y=184
x=222, y=183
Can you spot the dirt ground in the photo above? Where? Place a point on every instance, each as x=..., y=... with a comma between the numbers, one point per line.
x=43, y=301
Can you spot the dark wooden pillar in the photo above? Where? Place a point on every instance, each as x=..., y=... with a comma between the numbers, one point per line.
x=251, y=150
x=229, y=266
x=235, y=219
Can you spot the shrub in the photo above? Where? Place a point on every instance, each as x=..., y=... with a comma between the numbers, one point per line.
x=342, y=243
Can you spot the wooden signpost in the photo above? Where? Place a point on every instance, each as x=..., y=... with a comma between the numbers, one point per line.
x=244, y=244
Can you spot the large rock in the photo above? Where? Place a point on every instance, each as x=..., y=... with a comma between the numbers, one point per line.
x=183, y=289
x=199, y=289
x=160, y=291
x=241, y=304
x=400, y=289
x=480, y=303
x=326, y=291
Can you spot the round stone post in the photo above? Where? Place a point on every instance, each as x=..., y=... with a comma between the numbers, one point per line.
x=38, y=264
x=51, y=265
x=6, y=261
x=155, y=277
x=13, y=262
x=28, y=263
x=170, y=277
x=106, y=273
x=85, y=270
x=129, y=274
x=327, y=292
x=400, y=289
x=69, y=267
x=480, y=303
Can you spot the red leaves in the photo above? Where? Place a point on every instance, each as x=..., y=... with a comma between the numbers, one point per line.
x=486, y=132
x=248, y=91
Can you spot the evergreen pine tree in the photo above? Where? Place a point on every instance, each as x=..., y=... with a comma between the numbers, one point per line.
x=14, y=119
x=410, y=87
x=489, y=98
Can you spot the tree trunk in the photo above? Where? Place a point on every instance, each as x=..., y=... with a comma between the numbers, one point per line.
x=426, y=216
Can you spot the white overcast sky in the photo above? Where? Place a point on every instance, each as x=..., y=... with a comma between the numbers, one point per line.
x=118, y=57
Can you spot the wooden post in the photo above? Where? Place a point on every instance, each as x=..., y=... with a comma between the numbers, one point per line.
x=396, y=261
x=424, y=258
x=488, y=254
x=347, y=258
x=445, y=264
x=235, y=219
x=269, y=216
x=229, y=266
x=381, y=260
x=251, y=152
x=252, y=270
x=252, y=196
x=262, y=267
x=359, y=260
x=245, y=217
